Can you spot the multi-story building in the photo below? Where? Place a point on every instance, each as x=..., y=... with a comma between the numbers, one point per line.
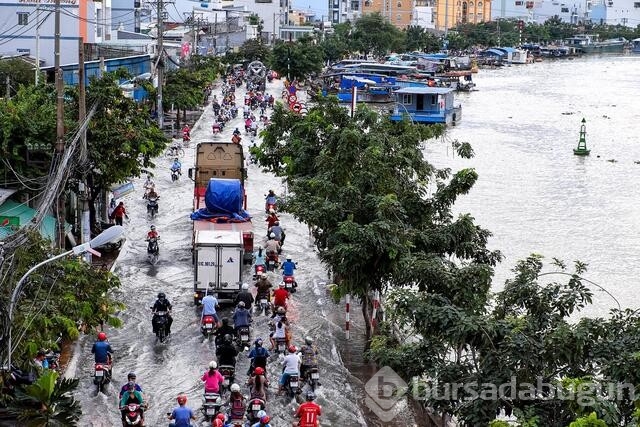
x=423, y=14
x=615, y=12
x=450, y=13
x=341, y=11
x=398, y=12
x=29, y=27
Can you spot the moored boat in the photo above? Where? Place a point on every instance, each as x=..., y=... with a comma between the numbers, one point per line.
x=425, y=104
x=635, y=45
x=587, y=44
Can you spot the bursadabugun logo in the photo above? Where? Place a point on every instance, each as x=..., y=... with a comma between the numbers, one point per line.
x=383, y=391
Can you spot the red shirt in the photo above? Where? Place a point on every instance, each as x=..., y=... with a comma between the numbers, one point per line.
x=271, y=220
x=308, y=413
x=152, y=234
x=119, y=212
x=280, y=296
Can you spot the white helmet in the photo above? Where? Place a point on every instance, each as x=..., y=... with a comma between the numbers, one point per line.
x=282, y=285
x=272, y=211
x=235, y=388
x=272, y=235
x=213, y=364
x=245, y=286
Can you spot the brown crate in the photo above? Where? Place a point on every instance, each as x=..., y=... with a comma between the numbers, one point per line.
x=219, y=155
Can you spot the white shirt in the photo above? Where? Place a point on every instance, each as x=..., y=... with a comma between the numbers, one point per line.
x=209, y=304
x=291, y=363
x=279, y=332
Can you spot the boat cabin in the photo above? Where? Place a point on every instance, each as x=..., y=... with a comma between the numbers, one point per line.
x=426, y=105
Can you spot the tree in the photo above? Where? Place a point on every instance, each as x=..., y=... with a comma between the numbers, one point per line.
x=184, y=89
x=122, y=139
x=48, y=402
x=373, y=33
x=296, y=59
x=589, y=421
x=362, y=184
x=253, y=50
x=19, y=71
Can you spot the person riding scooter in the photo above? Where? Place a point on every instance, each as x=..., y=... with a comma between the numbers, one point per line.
x=131, y=395
x=176, y=166
x=224, y=330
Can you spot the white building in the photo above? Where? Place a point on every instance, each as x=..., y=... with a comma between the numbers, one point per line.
x=423, y=16
x=341, y=11
x=27, y=23
x=272, y=13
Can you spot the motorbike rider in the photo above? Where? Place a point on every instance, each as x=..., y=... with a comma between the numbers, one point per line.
x=278, y=231
x=103, y=351
x=186, y=132
x=271, y=218
x=287, y=267
x=309, y=412
x=309, y=353
x=148, y=186
x=227, y=352
x=280, y=315
x=241, y=317
x=291, y=365
x=264, y=422
x=264, y=287
x=280, y=332
x=237, y=403
x=182, y=414
x=161, y=304
x=152, y=234
x=280, y=296
x=212, y=378
x=209, y=305
x=40, y=361
x=131, y=380
x=259, y=258
x=272, y=246
x=258, y=384
x=236, y=131
x=245, y=296
x=131, y=395
x=258, y=356
x=224, y=330
x=254, y=127
x=176, y=166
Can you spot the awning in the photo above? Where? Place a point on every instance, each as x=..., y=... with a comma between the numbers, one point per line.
x=5, y=193
x=17, y=215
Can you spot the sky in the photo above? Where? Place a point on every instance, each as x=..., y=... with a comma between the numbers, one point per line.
x=319, y=7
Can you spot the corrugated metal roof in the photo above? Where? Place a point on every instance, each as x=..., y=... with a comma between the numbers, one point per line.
x=5, y=193
x=425, y=90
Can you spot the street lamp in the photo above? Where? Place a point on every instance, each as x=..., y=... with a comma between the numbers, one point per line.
x=108, y=235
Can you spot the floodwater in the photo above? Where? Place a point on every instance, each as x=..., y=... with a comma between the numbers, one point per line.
x=533, y=194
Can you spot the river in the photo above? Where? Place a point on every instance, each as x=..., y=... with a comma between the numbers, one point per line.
x=533, y=194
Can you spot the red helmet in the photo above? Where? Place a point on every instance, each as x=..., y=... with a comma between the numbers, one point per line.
x=220, y=417
x=217, y=423
x=292, y=349
x=259, y=371
x=102, y=336
x=182, y=399
x=265, y=419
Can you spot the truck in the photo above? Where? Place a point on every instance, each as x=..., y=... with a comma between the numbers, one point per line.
x=219, y=172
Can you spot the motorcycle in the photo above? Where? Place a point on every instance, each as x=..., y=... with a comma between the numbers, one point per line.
x=161, y=322
x=253, y=407
x=262, y=304
x=290, y=283
x=101, y=376
x=16, y=377
x=107, y=247
x=152, y=206
x=211, y=405
x=293, y=386
x=208, y=326
x=175, y=175
x=272, y=262
x=153, y=250
x=281, y=345
x=133, y=416
x=312, y=377
x=228, y=372
x=259, y=268
x=216, y=129
x=186, y=138
x=244, y=337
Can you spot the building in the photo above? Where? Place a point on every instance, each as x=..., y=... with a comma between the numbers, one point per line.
x=341, y=11
x=272, y=13
x=615, y=12
x=398, y=12
x=450, y=13
x=423, y=14
x=29, y=28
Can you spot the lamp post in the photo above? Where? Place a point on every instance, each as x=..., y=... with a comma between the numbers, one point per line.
x=106, y=236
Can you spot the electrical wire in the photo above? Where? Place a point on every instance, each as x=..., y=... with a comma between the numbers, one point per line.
x=18, y=177
x=26, y=30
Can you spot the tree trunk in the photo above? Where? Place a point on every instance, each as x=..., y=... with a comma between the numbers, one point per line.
x=366, y=314
x=177, y=118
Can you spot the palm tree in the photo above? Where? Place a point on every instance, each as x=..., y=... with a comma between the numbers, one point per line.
x=48, y=402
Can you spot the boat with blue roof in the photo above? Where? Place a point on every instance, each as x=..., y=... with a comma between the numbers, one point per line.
x=426, y=104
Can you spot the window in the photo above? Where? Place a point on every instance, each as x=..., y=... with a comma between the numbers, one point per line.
x=564, y=9
x=399, y=17
x=407, y=99
x=636, y=4
x=399, y=4
x=519, y=3
x=23, y=18
x=479, y=4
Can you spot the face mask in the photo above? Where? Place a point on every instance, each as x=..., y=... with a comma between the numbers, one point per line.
x=131, y=384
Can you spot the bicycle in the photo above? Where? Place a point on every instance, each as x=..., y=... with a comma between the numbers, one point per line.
x=174, y=151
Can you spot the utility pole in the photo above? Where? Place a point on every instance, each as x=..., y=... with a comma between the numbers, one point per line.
x=160, y=65
x=8, y=82
x=83, y=190
x=37, y=42
x=59, y=120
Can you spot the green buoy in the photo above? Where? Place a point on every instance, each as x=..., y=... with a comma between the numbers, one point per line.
x=581, y=150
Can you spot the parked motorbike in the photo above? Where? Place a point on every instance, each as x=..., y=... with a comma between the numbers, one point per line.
x=290, y=283
x=101, y=376
x=152, y=206
x=312, y=377
x=243, y=337
x=133, y=415
x=161, y=321
x=153, y=250
x=293, y=386
x=253, y=407
x=211, y=405
x=16, y=377
x=208, y=326
x=228, y=372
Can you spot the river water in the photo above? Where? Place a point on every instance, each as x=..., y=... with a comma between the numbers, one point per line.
x=533, y=194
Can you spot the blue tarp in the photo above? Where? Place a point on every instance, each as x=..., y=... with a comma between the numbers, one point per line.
x=224, y=198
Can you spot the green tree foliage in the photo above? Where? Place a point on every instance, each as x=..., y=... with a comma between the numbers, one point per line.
x=184, y=89
x=253, y=50
x=363, y=184
x=588, y=421
x=58, y=298
x=122, y=139
x=297, y=59
x=26, y=119
x=374, y=34
x=419, y=39
x=19, y=71
x=48, y=402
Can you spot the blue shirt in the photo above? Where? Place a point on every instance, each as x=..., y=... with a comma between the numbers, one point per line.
x=260, y=425
x=288, y=267
x=260, y=259
x=101, y=349
x=271, y=200
x=176, y=166
x=277, y=231
x=258, y=352
x=241, y=317
x=182, y=416
x=209, y=305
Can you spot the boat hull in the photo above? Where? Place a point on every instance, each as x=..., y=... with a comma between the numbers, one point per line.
x=450, y=117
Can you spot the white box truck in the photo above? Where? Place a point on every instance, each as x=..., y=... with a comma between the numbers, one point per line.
x=218, y=264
